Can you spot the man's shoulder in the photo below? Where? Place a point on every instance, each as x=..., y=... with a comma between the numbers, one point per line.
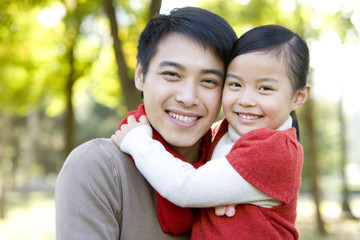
x=98, y=162
x=96, y=152
x=101, y=145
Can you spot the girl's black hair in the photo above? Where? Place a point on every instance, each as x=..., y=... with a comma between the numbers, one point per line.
x=286, y=45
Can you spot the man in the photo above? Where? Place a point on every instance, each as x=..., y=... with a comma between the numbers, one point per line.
x=100, y=194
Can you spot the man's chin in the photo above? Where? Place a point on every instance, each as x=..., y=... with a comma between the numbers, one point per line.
x=182, y=144
x=186, y=142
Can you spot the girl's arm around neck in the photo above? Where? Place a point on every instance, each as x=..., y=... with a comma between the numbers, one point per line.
x=215, y=183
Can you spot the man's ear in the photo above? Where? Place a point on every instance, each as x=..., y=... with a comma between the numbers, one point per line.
x=301, y=96
x=139, y=76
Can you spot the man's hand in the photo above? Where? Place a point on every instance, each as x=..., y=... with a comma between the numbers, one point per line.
x=228, y=210
x=119, y=135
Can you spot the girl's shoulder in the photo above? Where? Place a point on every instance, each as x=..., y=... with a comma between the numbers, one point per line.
x=270, y=160
x=269, y=135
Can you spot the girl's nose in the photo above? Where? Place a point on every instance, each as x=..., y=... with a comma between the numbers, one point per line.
x=246, y=98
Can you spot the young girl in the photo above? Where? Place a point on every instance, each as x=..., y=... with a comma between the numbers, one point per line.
x=257, y=160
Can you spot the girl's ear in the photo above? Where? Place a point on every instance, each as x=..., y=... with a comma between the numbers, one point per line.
x=301, y=96
x=139, y=76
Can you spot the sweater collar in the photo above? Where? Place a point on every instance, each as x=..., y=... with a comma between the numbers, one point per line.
x=234, y=136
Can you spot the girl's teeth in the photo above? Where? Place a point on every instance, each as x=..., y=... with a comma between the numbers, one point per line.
x=249, y=117
x=185, y=119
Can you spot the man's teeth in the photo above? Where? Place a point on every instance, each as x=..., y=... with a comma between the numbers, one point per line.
x=185, y=119
x=249, y=116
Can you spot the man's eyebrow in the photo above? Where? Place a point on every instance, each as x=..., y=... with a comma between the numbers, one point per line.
x=213, y=71
x=172, y=64
x=182, y=67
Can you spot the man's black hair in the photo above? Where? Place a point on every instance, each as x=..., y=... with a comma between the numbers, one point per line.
x=204, y=27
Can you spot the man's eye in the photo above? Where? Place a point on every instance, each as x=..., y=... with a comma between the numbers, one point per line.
x=171, y=75
x=210, y=82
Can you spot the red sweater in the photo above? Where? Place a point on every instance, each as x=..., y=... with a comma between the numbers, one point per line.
x=272, y=162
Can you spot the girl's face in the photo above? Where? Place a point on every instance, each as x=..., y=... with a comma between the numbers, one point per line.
x=258, y=93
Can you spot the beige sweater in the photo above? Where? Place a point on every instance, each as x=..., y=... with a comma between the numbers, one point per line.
x=101, y=195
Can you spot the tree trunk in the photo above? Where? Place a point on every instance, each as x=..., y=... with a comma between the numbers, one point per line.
x=3, y=196
x=154, y=8
x=69, y=121
x=313, y=159
x=4, y=141
x=346, y=210
x=29, y=154
x=130, y=93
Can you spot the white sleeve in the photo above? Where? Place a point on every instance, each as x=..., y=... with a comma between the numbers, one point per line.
x=215, y=183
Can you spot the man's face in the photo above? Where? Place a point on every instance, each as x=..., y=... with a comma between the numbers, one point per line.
x=182, y=90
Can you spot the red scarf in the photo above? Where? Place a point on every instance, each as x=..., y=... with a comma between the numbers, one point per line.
x=173, y=218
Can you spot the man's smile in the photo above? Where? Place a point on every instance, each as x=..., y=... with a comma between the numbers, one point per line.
x=183, y=118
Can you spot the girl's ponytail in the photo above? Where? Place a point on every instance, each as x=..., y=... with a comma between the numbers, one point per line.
x=295, y=124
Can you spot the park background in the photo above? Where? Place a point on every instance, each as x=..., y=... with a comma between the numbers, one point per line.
x=66, y=76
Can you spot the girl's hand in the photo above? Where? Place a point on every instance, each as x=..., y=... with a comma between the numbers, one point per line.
x=119, y=135
x=228, y=210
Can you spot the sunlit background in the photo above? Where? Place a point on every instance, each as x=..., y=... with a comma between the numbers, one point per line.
x=50, y=46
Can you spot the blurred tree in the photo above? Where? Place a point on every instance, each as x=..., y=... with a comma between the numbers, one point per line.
x=130, y=93
x=56, y=52
x=76, y=14
x=343, y=157
x=5, y=123
x=313, y=159
x=18, y=92
x=154, y=8
x=128, y=87
x=29, y=151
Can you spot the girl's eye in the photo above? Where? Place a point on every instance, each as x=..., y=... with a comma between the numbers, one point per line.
x=235, y=85
x=265, y=88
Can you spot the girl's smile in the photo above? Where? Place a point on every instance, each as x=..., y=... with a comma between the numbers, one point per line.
x=248, y=118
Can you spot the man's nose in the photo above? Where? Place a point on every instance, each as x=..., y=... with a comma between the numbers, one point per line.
x=188, y=94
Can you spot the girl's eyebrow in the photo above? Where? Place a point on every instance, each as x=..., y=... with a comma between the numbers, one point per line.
x=265, y=79
x=233, y=76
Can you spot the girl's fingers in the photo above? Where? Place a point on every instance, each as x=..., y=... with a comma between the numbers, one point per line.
x=143, y=119
x=230, y=210
x=220, y=211
x=114, y=138
x=131, y=118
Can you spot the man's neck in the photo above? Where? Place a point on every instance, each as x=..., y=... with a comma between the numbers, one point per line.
x=189, y=154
